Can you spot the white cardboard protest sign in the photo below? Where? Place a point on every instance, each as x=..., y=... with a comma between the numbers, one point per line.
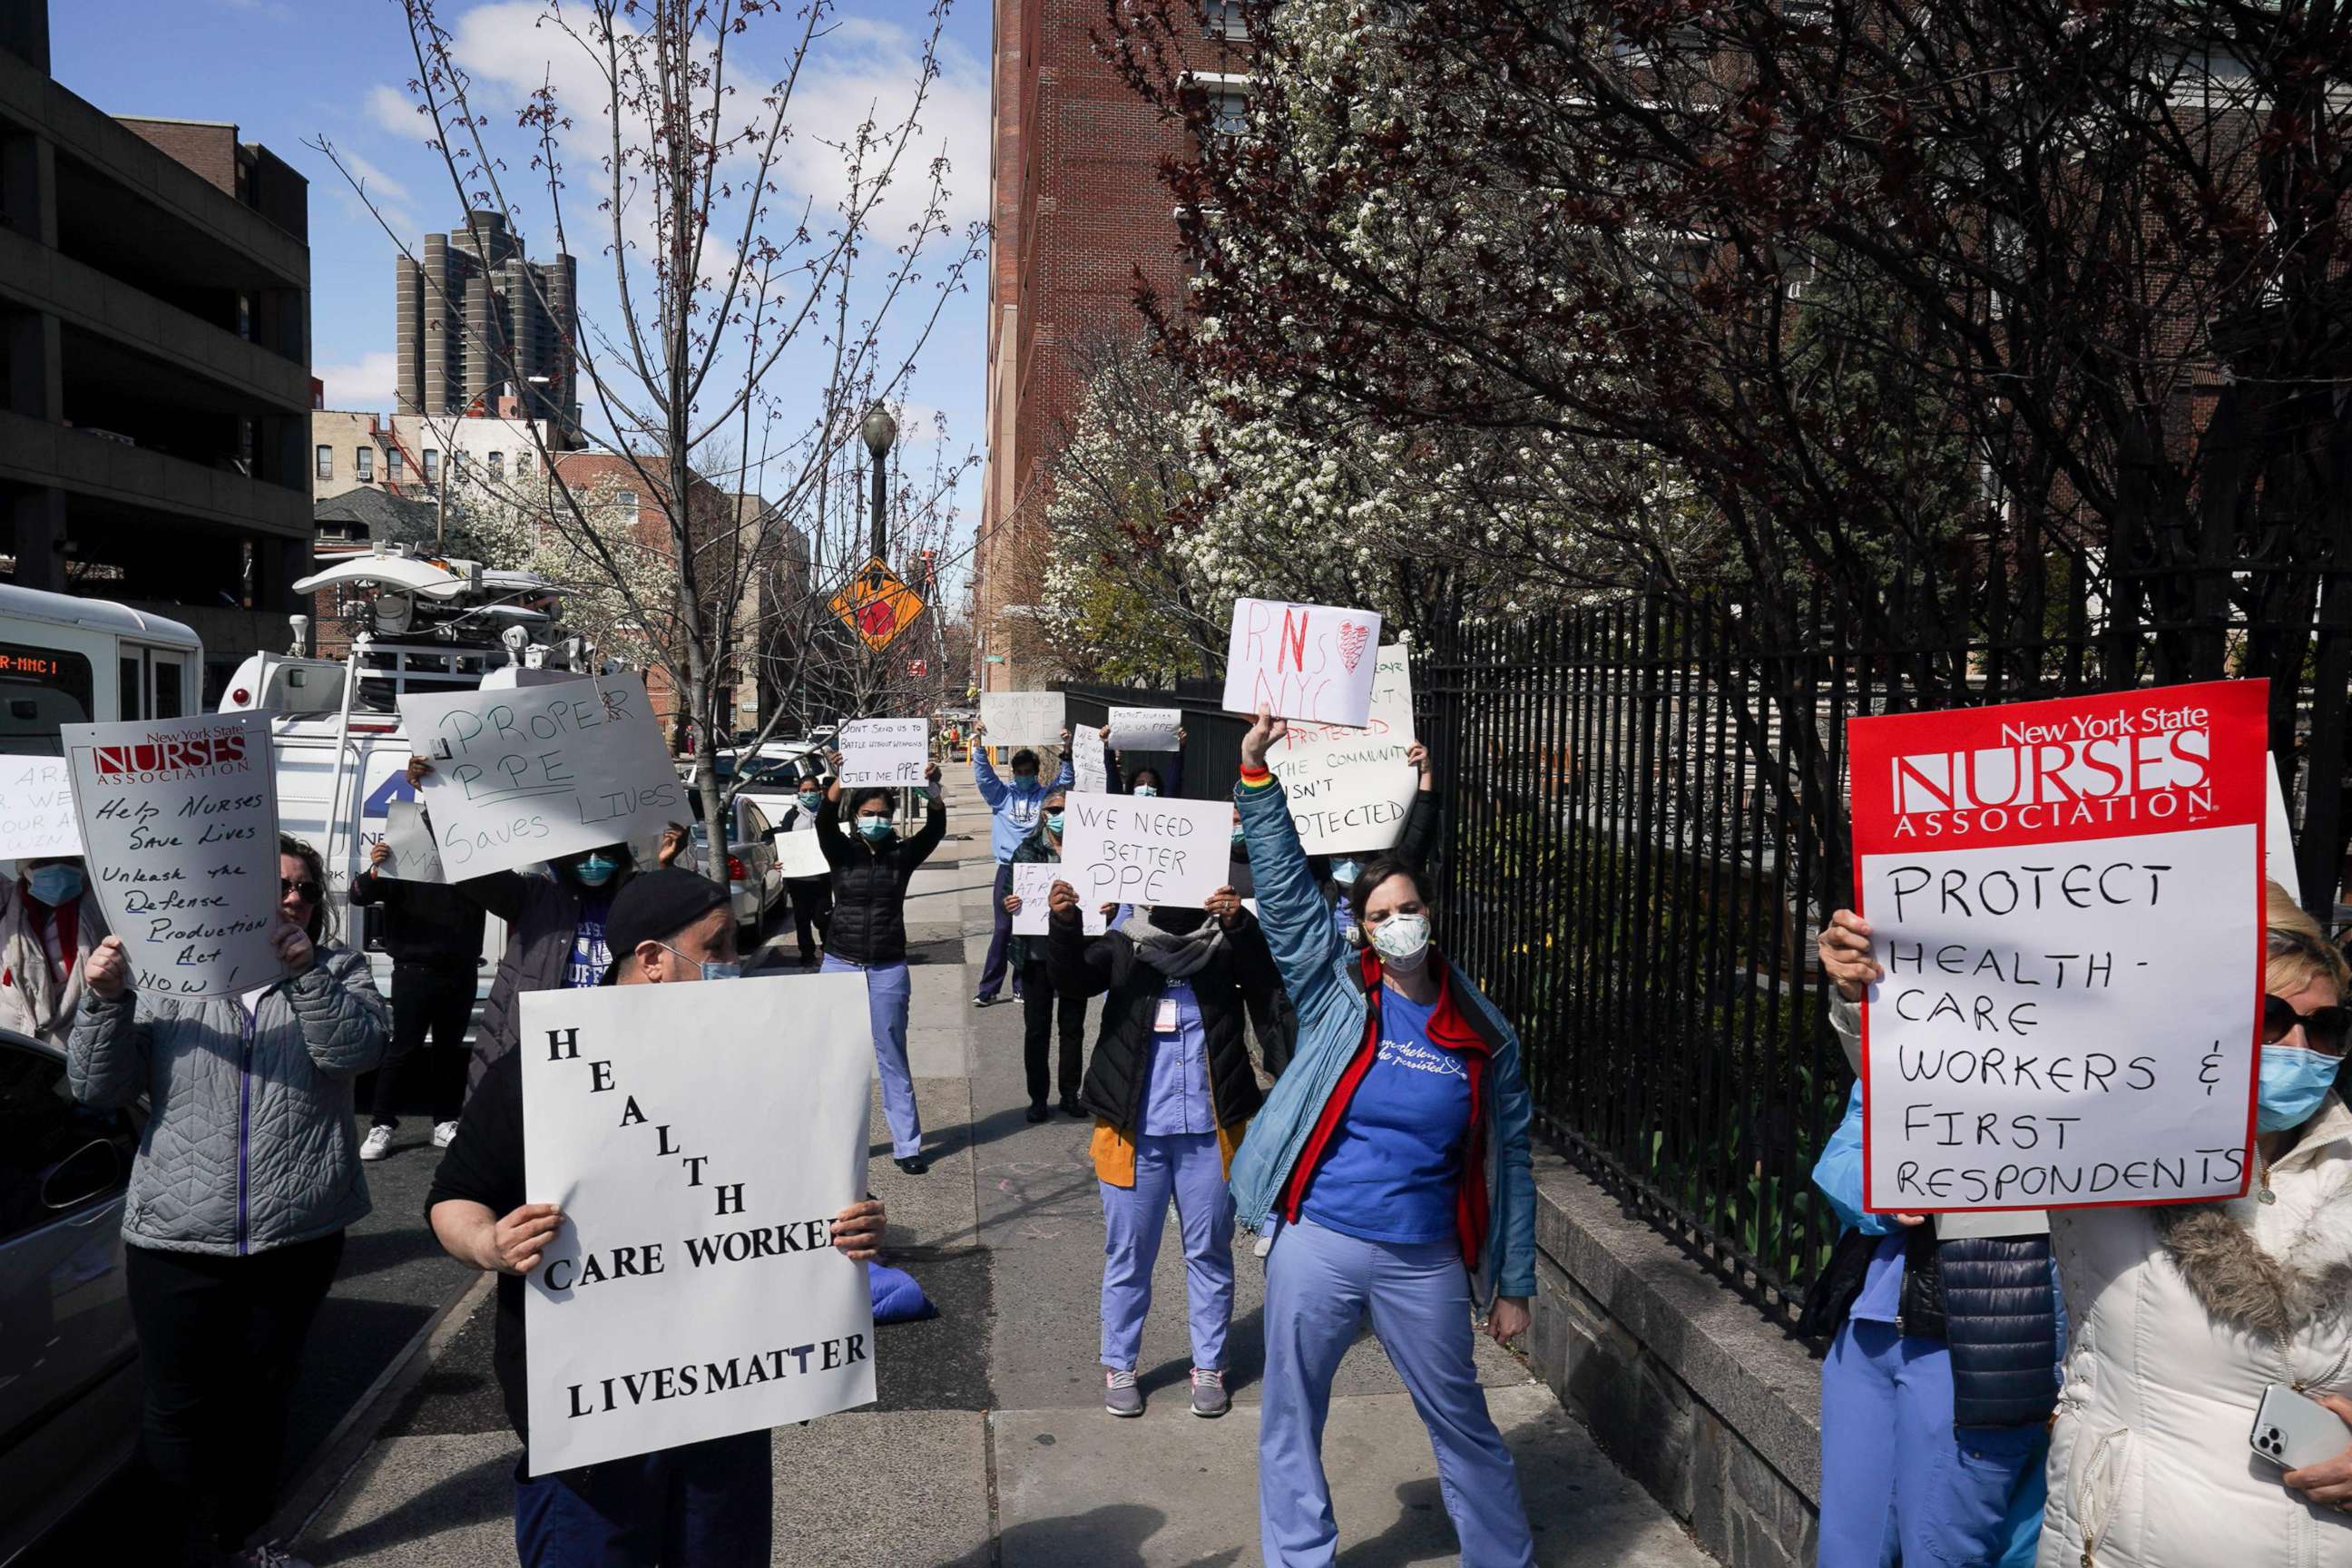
x=179, y=828
x=699, y=1139
x=413, y=856
x=1314, y=662
x=892, y=751
x=2066, y=898
x=1089, y=771
x=1145, y=729
x=36, y=809
x=1118, y=850
x=1022, y=718
x=1033, y=883
x=528, y=774
x=1348, y=789
x=798, y=853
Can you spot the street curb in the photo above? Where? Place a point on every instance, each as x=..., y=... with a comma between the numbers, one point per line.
x=340, y=1455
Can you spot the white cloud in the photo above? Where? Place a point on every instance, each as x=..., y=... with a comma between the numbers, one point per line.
x=388, y=195
x=394, y=111
x=366, y=384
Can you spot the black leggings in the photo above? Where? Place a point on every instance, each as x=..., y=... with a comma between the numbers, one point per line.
x=1038, y=1007
x=425, y=998
x=812, y=913
x=219, y=1340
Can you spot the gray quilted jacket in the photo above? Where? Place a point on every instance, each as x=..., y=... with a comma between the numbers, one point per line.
x=250, y=1144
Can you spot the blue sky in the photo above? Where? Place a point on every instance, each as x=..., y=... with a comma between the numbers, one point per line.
x=289, y=72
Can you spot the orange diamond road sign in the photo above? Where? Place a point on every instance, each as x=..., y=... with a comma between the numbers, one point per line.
x=877, y=605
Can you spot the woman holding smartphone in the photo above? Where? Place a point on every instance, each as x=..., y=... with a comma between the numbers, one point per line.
x=1389, y=1167
x=2180, y=1316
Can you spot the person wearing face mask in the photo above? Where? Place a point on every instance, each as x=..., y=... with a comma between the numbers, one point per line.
x=555, y=927
x=702, y=1505
x=244, y=1185
x=1146, y=780
x=1171, y=1091
x=1941, y=1371
x=2181, y=1315
x=49, y=918
x=871, y=869
x=1013, y=816
x=812, y=896
x=1041, y=1004
x=1390, y=1170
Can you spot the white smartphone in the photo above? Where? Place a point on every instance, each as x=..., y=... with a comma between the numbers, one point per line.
x=2291, y=1431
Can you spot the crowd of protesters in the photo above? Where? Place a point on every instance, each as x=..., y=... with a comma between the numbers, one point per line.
x=1298, y=1062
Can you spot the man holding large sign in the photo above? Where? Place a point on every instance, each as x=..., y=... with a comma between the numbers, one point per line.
x=522, y=774
x=691, y=1234
x=2056, y=892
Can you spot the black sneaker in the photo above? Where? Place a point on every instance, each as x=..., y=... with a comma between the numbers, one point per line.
x=1072, y=1108
x=914, y=1164
x=1038, y=1113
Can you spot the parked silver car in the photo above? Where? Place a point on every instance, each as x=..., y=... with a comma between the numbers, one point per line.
x=69, y=1362
x=755, y=882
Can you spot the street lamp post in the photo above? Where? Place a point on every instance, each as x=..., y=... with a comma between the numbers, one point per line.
x=880, y=430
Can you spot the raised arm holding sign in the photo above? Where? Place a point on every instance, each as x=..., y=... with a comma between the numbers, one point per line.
x=2066, y=902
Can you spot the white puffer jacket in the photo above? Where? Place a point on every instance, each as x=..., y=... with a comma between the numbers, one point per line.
x=2178, y=1318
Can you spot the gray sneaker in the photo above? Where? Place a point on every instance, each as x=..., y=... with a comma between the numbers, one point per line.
x=1210, y=1399
x=1120, y=1396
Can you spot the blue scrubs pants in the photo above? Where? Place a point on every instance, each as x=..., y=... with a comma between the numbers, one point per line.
x=1187, y=1167
x=1319, y=1285
x=887, y=989
x=1898, y=1484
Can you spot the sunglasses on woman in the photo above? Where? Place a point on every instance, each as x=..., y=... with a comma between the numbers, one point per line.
x=2323, y=1028
x=306, y=889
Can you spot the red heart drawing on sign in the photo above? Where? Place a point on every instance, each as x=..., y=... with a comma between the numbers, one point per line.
x=1351, y=642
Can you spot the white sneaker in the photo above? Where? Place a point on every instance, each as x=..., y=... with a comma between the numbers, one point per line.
x=444, y=1134
x=376, y=1145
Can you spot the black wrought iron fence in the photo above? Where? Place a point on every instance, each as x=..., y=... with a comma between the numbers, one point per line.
x=1646, y=826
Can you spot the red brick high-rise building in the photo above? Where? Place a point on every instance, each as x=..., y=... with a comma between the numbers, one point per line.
x=1078, y=207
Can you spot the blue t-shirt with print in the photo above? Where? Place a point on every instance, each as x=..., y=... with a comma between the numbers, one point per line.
x=590, y=956
x=1395, y=1162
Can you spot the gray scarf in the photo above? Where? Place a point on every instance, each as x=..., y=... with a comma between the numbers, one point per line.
x=1175, y=956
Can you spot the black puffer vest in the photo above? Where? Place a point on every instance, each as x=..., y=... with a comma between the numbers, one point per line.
x=1120, y=1068
x=1992, y=1301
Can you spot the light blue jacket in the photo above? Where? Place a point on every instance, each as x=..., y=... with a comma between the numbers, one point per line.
x=1014, y=816
x=1838, y=1172
x=1320, y=974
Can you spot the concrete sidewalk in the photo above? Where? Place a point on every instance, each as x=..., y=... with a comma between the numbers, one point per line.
x=988, y=1443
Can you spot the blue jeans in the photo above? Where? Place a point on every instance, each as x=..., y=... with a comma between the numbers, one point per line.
x=706, y=1505
x=1319, y=1285
x=887, y=989
x=1187, y=1167
x=1897, y=1483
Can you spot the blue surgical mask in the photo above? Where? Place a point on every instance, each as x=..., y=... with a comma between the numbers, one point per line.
x=1344, y=872
x=811, y=801
x=1053, y=823
x=595, y=870
x=1145, y=790
x=875, y=828
x=730, y=970
x=1024, y=782
x=55, y=885
x=2295, y=1080
x=1237, y=833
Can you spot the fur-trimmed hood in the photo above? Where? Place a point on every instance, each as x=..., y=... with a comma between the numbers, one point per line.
x=2273, y=1290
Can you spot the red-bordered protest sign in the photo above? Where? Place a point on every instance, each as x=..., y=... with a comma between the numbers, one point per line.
x=2067, y=900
